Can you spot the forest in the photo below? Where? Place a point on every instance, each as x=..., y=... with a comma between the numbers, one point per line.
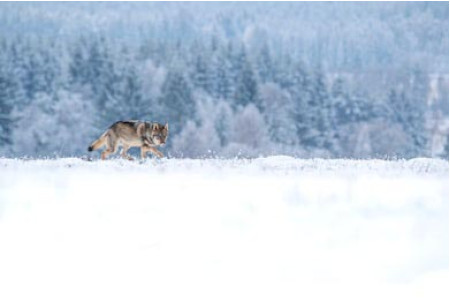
x=232, y=79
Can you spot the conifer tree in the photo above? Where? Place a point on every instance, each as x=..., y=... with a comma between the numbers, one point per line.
x=200, y=75
x=265, y=65
x=221, y=78
x=176, y=100
x=6, y=108
x=246, y=86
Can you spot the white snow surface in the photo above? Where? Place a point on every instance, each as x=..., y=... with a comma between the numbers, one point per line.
x=274, y=229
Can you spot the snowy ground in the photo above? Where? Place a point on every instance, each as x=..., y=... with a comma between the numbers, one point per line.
x=273, y=229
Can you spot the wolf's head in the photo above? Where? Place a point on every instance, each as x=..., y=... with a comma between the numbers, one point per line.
x=159, y=133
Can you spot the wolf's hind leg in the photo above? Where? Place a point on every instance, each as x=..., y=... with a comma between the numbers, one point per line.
x=111, y=147
x=105, y=154
x=143, y=152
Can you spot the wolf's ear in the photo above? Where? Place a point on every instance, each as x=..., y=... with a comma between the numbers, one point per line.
x=166, y=126
x=154, y=126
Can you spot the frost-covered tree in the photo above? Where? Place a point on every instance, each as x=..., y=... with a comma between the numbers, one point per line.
x=75, y=122
x=321, y=134
x=12, y=100
x=36, y=127
x=297, y=81
x=223, y=121
x=445, y=153
x=416, y=121
x=442, y=103
x=176, y=100
x=185, y=144
x=246, y=85
x=287, y=74
x=340, y=102
x=196, y=141
x=307, y=108
x=128, y=94
x=6, y=107
x=348, y=112
x=249, y=133
x=278, y=113
x=36, y=68
x=56, y=125
x=265, y=65
x=411, y=116
x=37, y=124
x=221, y=77
x=200, y=74
x=199, y=138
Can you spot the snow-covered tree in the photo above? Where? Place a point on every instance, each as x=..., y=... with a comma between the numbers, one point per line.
x=221, y=77
x=223, y=121
x=411, y=115
x=246, y=86
x=56, y=125
x=7, y=91
x=176, y=100
x=265, y=65
x=200, y=74
x=249, y=133
x=278, y=113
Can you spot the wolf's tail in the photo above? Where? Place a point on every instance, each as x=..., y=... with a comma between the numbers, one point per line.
x=98, y=143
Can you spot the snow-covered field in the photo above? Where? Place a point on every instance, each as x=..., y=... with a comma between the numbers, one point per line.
x=272, y=229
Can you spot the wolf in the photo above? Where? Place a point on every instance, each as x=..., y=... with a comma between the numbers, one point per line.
x=146, y=135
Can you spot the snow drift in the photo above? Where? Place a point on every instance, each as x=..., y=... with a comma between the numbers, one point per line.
x=275, y=229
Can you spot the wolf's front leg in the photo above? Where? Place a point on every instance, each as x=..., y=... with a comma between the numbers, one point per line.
x=157, y=152
x=124, y=153
x=146, y=148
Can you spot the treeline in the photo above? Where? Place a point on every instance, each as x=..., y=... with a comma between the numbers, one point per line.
x=222, y=95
